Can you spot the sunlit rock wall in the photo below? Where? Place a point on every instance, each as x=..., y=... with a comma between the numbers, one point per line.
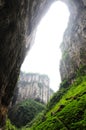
x=74, y=44
x=32, y=86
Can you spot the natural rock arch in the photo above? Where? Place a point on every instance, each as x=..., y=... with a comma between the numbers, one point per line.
x=18, y=20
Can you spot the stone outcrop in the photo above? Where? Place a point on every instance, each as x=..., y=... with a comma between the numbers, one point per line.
x=74, y=45
x=32, y=86
x=18, y=21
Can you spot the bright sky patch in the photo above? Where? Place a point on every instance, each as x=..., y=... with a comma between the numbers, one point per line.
x=45, y=55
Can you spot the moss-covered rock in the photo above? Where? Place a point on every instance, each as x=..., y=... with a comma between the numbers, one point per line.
x=67, y=113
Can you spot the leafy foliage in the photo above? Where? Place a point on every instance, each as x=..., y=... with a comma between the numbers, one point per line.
x=9, y=126
x=24, y=112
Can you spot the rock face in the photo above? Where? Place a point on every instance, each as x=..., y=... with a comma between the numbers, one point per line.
x=32, y=86
x=74, y=44
x=18, y=21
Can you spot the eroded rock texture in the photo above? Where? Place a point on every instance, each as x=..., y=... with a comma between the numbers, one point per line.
x=18, y=20
x=12, y=50
x=32, y=86
x=74, y=44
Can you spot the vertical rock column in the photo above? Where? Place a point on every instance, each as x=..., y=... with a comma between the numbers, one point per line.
x=74, y=43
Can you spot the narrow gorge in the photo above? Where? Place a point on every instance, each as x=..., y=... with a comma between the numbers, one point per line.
x=18, y=22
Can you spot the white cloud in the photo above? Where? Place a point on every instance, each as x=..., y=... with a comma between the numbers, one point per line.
x=45, y=55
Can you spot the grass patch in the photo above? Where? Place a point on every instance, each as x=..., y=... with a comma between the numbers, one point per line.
x=68, y=112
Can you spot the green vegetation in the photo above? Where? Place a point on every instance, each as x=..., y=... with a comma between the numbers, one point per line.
x=64, y=84
x=56, y=97
x=9, y=126
x=25, y=112
x=81, y=70
x=66, y=109
x=69, y=112
x=65, y=55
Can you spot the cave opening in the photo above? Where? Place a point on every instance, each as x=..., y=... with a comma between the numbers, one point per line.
x=44, y=57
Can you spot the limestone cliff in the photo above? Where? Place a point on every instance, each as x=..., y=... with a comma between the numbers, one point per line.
x=32, y=86
x=74, y=44
x=18, y=21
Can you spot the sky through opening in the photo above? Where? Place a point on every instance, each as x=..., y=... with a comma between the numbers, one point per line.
x=44, y=56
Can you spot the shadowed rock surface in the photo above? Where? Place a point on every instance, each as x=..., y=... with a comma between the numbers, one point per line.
x=18, y=21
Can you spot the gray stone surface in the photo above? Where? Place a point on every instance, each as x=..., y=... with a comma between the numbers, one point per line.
x=32, y=86
x=74, y=46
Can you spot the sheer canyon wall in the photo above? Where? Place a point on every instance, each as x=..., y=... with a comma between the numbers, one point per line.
x=32, y=86
x=18, y=21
